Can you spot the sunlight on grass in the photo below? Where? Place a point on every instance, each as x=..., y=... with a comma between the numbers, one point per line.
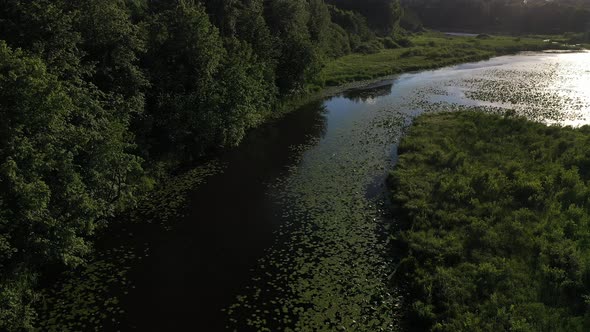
x=431, y=50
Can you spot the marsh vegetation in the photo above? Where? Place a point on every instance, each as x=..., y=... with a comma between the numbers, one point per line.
x=493, y=224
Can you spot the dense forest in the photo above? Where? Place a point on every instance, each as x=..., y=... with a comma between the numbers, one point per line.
x=508, y=16
x=99, y=98
x=494, y=224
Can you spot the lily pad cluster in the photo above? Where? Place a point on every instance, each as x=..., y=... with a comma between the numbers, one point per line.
x=168, y=203
x=85, y=299
x=550, y=88
x=328, y=270
x=89, y=298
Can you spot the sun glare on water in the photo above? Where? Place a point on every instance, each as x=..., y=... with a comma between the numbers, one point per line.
x=553, y=88
x=572, y=84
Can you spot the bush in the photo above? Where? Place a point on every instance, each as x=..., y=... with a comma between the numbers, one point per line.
x=404, y=42
x=418, y=51
x=389, y=43
x=579, y=38
x=370, y=47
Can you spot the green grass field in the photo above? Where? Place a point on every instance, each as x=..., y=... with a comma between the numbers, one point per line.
x=431, y=50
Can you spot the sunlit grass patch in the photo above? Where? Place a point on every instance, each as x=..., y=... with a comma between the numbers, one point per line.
x=431, y=50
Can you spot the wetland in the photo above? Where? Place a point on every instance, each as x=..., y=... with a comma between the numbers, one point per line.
x=226, y=165
x=291, y=230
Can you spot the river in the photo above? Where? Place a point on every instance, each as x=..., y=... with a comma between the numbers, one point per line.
x=292, y=234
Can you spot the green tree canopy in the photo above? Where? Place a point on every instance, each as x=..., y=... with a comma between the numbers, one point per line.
x=64, y=166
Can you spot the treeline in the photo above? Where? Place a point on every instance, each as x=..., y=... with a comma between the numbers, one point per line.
x=494, y=224
x=509, y=16
x=98, y=98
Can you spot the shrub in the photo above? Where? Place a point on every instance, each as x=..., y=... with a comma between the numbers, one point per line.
x=389, y=43
x=370, y=47
x=404, y=42
x=483, y=36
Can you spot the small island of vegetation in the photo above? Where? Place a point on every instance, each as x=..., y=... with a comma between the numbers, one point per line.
x=494, y=229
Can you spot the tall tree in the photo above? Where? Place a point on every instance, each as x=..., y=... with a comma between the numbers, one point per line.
x=299, y=57
x=64, y=166
x=184, y=54
x=383, y=16
x=112, y=43
x=45, y=28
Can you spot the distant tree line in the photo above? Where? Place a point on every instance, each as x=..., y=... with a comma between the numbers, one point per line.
x=511, y=16
x=99, y=97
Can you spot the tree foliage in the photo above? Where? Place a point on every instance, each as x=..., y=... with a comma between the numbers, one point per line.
x=64, y=166
x=382, y=15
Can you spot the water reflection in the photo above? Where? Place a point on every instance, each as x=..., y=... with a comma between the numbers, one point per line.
x=572, y=83
x=550, y=87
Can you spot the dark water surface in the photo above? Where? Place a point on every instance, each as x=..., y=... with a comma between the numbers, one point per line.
x=198, y=268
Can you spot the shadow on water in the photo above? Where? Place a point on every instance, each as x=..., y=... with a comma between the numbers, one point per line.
x=197, y=268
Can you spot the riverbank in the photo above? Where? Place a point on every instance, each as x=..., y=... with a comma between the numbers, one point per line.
x=433, y=50
x=493, y=224
x=429, y=50
x=425, y=51
x=89, y=297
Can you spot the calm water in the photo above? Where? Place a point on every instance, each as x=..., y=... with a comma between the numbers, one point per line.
x=293, y=233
